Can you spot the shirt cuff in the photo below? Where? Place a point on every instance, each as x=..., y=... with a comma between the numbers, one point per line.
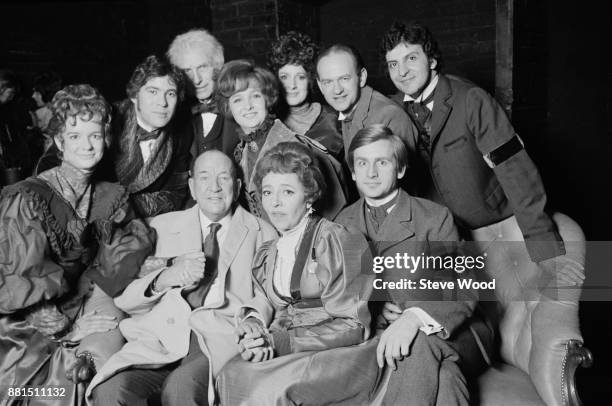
x=429, y=324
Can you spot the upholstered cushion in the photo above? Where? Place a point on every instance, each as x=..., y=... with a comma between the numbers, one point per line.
x=505, y=385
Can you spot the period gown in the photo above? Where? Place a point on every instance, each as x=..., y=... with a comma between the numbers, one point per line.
x=317, y=297
x=67, y=246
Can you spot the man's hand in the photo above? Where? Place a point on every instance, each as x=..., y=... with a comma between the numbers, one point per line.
x=187, y=270
x=395, y=341
x=91, y=323
x=565, y=269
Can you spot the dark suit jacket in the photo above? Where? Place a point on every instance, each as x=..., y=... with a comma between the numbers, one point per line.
x=414, y=226
x=466, y=124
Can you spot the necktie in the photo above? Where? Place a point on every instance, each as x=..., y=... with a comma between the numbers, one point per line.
x=200, y=108
x=211, y=251
x=421, y=116
x=340, y=123
x=339, y=126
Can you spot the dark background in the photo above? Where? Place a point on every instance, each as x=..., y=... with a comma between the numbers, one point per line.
x=561, y=77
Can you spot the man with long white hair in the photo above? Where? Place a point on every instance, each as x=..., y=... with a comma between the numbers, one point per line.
x=200, y=56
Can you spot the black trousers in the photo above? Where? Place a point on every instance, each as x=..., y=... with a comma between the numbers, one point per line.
x=182, y=383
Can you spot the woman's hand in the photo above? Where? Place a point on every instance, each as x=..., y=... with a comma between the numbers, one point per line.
x=254, y=341
x=91, y=323
x=48, y=320
x=255, y=350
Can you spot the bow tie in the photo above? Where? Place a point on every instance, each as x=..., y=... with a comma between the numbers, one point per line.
x=201, y=108
x=421, y=115
x=144, y=135
x=419, y=110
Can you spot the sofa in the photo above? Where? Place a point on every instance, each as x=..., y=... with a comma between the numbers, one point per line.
x=540, y=345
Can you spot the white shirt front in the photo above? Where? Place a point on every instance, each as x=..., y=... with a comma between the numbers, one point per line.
x=208, y=121
x=286, y=247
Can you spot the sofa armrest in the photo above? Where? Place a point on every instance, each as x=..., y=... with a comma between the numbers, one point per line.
x=102, y=345
x=576, y=356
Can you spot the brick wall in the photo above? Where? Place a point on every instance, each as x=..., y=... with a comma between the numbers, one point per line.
x=244, y=27
x=465, y=30
x=166, y=18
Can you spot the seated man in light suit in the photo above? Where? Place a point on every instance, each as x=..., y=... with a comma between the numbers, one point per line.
x=180, y=332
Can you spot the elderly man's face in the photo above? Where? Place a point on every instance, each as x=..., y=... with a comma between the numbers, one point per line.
x=339, y=81
x=198, y=68
x=156, y=102
x=213, y=184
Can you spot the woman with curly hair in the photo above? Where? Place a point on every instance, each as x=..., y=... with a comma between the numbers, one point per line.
x=68, y=244
x=247, y=93
x=292, y=59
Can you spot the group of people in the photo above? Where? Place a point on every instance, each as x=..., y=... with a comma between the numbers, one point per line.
x=209, y=239
x=23, y=123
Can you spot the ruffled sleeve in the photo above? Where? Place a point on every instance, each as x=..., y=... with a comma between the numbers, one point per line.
x=27, y=274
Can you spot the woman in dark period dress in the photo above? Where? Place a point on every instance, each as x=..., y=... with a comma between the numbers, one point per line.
x=315, y=306
x=68, y=244
x=248, y=92
x=292, y=59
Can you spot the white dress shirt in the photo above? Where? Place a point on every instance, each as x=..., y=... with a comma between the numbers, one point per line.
x=208, y=121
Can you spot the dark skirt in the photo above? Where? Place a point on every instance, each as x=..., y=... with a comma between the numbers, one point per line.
x=339, y=376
